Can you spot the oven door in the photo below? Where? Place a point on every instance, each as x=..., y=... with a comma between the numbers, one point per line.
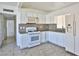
x=34, y=38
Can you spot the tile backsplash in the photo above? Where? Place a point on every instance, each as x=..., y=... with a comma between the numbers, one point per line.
x=40, y=27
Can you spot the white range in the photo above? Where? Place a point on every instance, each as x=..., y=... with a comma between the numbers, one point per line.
x=33, y=36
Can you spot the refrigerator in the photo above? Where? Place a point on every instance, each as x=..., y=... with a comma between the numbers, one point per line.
x=72, y=33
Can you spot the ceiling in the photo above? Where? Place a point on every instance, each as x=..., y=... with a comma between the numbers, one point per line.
x=44, y=6
x=47, y=6
x=9, y=3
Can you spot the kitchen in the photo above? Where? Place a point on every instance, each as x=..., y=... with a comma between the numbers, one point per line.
x=35, y=27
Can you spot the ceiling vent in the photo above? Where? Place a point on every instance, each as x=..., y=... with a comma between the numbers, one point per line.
x=8, y=10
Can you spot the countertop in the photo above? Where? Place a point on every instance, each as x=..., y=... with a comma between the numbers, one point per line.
x=42, y=31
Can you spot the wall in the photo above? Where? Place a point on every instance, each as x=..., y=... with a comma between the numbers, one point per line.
x=2, y=29
x=5, y=28
x=2, y=6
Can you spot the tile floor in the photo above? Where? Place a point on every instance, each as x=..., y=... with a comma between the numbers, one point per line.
x=10, y=49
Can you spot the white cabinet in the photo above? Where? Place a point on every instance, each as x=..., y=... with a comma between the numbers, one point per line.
x=47, y=36
x=23, y=17
x=29, y=17
x=22, y=41
x=53, y=20
x=56, y=38
x=41, y=19
x=47, y=19
x=43, y=37
x=60, y=38
x=52, y=37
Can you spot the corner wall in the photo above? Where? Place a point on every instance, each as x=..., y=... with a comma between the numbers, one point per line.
x=2, y=29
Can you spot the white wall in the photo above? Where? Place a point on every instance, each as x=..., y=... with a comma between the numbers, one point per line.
x=2, y=33
x=2, y=6
x=10, y=28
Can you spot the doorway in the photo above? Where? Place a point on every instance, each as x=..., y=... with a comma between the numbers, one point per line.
x=10, y=29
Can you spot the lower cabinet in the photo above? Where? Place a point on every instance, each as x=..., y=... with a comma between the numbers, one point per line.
x=60, y=39
x=57, y=38
x=43, y=37
x=52, y=37
x=23, y=43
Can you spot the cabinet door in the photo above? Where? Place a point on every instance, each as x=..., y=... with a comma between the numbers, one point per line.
x=44, y=19
x=57, y=38
x=54, y=37
x=19, y=41
x=50, y=37
x=24, y=41
x=41, y=19
x=47, y=36
x=60, y=39
x=36, y=17
x=47, y=19
x=24, y=18
x=43, y=37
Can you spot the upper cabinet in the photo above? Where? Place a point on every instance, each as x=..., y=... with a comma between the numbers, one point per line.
x=47, y=19
x=51, y=19
x=23, y=17
x=41, y=19
x=32, y=17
